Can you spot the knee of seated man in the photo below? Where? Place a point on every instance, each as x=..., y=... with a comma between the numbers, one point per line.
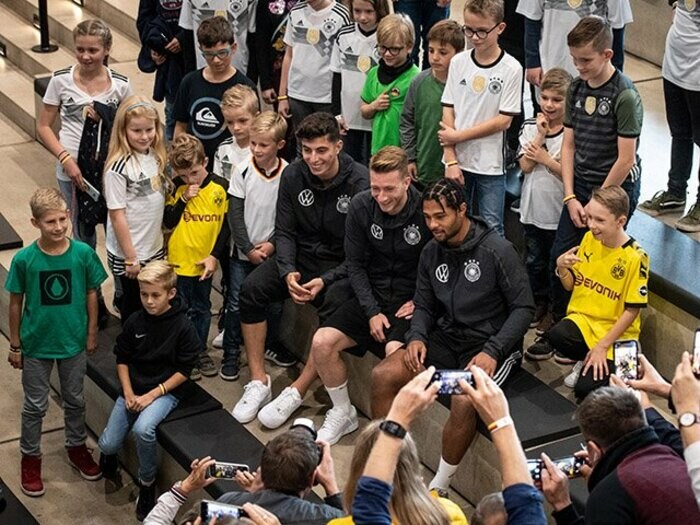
x=386, y=373
x=144, y=430
x=462, y=406
x=324, y=343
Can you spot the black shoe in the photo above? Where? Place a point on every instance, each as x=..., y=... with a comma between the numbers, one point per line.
x=146, y=500
x=541, y=309
x=540, y=350
x=109, y=465
x=280, y=357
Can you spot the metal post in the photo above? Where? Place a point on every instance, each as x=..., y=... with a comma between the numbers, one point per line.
x=45, y=46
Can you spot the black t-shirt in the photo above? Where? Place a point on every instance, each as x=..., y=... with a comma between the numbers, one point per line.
x=198, y=103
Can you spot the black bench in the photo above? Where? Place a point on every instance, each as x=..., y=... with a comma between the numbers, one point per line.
x=13, y=511
x=9, y=240
x=673, y=255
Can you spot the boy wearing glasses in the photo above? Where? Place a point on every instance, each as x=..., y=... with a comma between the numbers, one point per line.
x=482, y=95
x=197, y=105
x=387, y=83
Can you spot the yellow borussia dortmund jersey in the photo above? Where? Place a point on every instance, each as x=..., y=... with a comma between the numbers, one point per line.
x=606, y=281
x=195, y=235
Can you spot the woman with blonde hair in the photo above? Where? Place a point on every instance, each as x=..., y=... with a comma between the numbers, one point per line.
x=411, y=502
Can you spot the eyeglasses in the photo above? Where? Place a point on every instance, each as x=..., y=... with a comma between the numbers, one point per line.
x=221, y=53
x=478, y=33
x=393, y=51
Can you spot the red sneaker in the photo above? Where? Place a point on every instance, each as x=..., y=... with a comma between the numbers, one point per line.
x=31, y=476
x=80, y=458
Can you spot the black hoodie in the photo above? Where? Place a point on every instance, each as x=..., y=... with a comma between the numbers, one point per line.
x=382, y=250
x=154, y=347
x=310, y=221
x=477, y=291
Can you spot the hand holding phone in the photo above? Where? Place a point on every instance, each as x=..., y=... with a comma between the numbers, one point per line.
x=569, y=465
x=222, y=470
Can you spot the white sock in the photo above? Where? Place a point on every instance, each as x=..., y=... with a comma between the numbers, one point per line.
x=339, y=397
x=443, y=475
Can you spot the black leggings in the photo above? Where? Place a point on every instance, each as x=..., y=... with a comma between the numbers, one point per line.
x=567, y=339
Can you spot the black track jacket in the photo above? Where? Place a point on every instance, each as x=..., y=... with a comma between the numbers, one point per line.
x=382, y=251
x=477, y=291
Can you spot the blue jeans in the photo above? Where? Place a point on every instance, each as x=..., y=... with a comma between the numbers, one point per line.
x=195, y=294
x=238, y=271
x=143, y=425
x=486, y=197
x=683, y=117
x=539, y=247
x=424, y=14
x=568, y=235
x=35, y=383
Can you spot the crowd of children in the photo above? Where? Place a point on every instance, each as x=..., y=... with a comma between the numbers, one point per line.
x=208, y=178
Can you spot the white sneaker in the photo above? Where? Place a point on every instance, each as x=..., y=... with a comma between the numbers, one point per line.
x=218, y=341
x=275, y=413
x=255, y=395
x=337, y=424
x=572, y=378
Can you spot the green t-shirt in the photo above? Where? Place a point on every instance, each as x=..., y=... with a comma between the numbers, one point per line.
x=54, y=319
x=385, y=124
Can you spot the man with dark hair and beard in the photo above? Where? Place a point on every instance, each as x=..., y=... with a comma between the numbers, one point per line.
x=473, y=305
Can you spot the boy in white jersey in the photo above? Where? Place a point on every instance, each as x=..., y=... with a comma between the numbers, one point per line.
x=548, y=22
x=241, y=15
x=482, y=95
x=306, y=83
x=239, y=106
x=253, y=190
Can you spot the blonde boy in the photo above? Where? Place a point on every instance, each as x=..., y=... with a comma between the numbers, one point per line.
x=239, y=106
x=482, y=95
x=253, y=191
x=53, y=317
x=387, y=83
x=196, y=212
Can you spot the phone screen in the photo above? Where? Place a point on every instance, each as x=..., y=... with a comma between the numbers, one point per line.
x=696, y=353
x=626, y=359
x=214, y=509
x=571, y=466
x=535, y=467
x=449, y=380
x=221, y=470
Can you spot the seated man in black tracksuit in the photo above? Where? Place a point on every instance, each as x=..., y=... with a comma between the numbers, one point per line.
x=312, y=204
x=473, y=306
x=384, y=235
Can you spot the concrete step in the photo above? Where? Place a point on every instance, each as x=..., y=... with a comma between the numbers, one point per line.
x=17, y=96
x=64, y=15
x=18, y=36
x=120, y=14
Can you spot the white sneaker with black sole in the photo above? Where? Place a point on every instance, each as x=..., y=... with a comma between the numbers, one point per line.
x=337, y=424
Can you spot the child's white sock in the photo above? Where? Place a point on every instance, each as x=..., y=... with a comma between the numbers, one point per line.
x=443, y=475
x=339, y=397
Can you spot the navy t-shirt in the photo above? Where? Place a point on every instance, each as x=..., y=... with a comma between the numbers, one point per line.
x=198, y=103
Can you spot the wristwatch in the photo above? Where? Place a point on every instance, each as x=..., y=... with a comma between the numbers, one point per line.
x=393, y=429
x=688, y=419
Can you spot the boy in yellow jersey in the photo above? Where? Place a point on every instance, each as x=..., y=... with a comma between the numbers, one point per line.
x=607, y=275
x=196, y=212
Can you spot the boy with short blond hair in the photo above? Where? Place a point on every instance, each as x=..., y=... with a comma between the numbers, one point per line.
x=420, y=118
x=239, y=106
x=53, y=286
x=253, y=191
x=482, y=95
x=196, y=212
x=387, y=83
x=155, y=354
x=602, y=124
x=542, y=191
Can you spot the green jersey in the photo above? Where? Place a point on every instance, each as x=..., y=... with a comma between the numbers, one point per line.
x=54, y=318
x=385, y=124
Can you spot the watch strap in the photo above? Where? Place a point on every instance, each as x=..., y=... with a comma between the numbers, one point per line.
x=393, y=429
